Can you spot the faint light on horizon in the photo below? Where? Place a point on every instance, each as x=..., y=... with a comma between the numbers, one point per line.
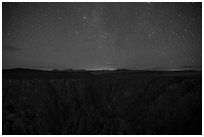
x=102, y=68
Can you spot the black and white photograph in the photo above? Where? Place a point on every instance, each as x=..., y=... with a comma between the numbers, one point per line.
x=102, y=68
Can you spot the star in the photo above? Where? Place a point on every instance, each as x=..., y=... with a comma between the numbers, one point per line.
x=151, y=34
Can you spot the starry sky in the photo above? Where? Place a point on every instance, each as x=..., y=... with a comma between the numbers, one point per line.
x=115, y=35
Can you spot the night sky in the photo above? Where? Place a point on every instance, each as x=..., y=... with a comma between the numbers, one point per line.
x=102, y=35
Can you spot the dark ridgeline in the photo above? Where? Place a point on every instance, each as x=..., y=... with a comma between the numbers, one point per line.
x=102, y=102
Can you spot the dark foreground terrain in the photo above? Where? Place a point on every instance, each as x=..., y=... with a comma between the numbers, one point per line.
x=101, y=102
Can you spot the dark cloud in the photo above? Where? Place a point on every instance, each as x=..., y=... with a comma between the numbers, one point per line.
x=10, y=48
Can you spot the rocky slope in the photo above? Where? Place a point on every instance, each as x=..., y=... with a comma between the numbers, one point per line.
x=108, y=105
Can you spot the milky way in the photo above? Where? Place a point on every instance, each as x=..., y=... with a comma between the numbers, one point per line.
x=102, y=35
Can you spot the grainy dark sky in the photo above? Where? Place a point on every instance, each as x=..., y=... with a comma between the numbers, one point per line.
x=102, y=35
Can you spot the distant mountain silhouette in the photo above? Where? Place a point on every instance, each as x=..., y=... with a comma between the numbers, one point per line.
x=23, y=70
x=158, y=69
